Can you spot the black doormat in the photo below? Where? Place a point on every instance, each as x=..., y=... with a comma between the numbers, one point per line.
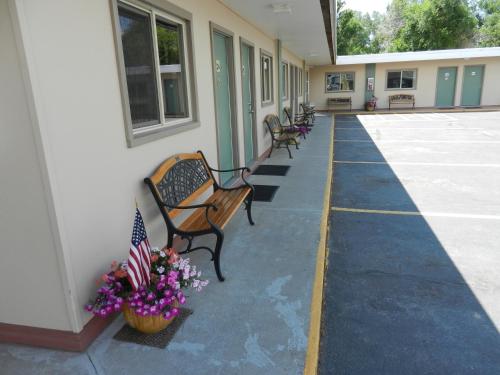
x=264, y=193
x=272, y=170
x=156, y=340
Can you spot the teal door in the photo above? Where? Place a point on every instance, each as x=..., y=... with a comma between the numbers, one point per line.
x=472, y=86
x=248, y=102
x=223, y=104
x=445, y=91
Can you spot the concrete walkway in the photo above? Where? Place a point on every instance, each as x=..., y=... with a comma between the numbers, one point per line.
x=257, y=321
x=413, y=281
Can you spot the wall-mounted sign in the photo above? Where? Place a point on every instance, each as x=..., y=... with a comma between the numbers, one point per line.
x=370, y=86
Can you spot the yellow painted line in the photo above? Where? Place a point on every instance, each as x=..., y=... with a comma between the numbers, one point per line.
x=313, y=342
x=476, y=165
x=372, y=129
x=416, y=213
x=410, y=141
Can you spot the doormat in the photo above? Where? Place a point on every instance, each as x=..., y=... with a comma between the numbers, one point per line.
x=264, y=193
x=272, y=170
x=157, y=340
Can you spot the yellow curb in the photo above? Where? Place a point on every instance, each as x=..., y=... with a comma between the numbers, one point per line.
x=312, y=355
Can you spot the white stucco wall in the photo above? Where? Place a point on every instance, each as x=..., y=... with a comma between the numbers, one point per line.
x=71, y=55
x=31, y=286
x=317, y=86
x=425, y=91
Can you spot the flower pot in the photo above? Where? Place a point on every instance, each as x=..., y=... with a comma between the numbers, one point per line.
x=370, y=106
x=145, y=324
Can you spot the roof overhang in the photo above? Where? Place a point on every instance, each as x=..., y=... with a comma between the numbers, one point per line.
x=305, y=27
x=447, y=54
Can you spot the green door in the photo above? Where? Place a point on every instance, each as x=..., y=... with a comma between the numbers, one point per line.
x=472, y=85
x=223, y=104
x=248, y=102
x=445, y=92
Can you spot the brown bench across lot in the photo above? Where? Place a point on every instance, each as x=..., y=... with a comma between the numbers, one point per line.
x=183, y=178
x=402, y=99
x=347, y=100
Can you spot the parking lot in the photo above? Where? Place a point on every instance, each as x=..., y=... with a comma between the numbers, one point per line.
x=413, y=278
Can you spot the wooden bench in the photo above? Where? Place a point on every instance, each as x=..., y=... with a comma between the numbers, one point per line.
x=183, y=178
x=281, y=135
x=345, y=100
x=299, y=123
x=402, y=99
x=309, y=111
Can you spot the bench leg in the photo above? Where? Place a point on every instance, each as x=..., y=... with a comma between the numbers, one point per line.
x=248, y=207
x=170, y=240
x=270, y=152
x=288, y=149
x=218, y=247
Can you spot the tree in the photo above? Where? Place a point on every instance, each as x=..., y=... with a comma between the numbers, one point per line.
x=353, y=34
x=489, y=19
x=434, y=24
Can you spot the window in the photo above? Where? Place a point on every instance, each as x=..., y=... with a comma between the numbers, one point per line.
x=401, y=79
x=266, y=73
x=301, y=83
x=284, y=80
x=335, y=82
x=155, y=68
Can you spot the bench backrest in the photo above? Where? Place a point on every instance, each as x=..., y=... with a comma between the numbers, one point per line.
x=288, y=114
x=273, y=123
x=179, y=180
x=401, y=97
x=340, y=100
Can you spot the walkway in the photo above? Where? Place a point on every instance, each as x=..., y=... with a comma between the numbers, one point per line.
x=413, y=282
x=257, y=321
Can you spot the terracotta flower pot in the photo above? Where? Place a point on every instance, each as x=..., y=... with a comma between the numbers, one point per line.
x=145, y=324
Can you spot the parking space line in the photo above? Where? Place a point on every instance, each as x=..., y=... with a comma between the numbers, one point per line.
x=418, y=163
x=402, y=128
x=411, y=141
x=416, y=213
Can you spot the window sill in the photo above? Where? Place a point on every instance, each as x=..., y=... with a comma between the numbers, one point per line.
x=154, y=134
x=338, y=92
x=405, y=89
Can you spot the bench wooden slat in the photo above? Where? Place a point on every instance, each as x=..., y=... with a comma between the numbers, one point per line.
x=227, y=203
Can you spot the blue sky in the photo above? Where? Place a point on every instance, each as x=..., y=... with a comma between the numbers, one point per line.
x=367, y=5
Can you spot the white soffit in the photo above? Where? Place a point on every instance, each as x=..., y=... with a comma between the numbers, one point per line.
x=297, y=23
x=447, y=54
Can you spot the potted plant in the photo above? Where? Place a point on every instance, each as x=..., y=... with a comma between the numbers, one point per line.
x=150, y=308
x=371, y=104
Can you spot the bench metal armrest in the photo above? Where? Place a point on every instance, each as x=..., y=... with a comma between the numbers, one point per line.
x=191, y=207
x=243, y=169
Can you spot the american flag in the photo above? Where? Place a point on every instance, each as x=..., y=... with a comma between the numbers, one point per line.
x=139, y=259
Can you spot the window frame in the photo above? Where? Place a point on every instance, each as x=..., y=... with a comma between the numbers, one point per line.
x=340, y=73
x=286, y=83
x=266, y=102
x=415, y=76
x=301, y=83
x=164, y=12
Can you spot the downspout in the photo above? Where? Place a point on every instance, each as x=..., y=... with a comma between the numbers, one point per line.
x=280, y=79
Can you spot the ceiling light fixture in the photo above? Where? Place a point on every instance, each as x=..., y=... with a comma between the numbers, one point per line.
x=280, y=8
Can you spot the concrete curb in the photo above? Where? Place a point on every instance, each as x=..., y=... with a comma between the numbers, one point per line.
x=313, y=342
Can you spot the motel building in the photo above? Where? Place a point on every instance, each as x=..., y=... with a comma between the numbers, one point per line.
x=95, y=94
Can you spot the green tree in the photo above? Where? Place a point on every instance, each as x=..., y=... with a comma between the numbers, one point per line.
x=434, y=24
x=353, y=35
x=489, y=19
